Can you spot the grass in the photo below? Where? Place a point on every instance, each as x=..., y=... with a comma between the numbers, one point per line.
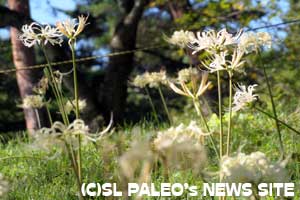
x=45, y=175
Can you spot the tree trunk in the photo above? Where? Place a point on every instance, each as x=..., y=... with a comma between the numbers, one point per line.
x=22, y=57
x=119, y=67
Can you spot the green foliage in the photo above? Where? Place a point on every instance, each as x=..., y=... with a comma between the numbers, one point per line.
x=39, y=175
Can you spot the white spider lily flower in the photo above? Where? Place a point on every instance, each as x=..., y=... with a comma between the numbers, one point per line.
x=140, y=81
x=218, y=62
x=243, y=96
x=71, y=28
x=250, y=42
x=185, y=75
x=182, y=147
x=185, y=90
x=236, y=60
x=4, y=186
x=29, y=37
x=153, y=79
x=181, y=38
x=32, y=101
x=212, y=41
x=59, y=134
x=156, y=78
x=40, y=34
x=70, y=105
x=253, y=168
x=135, y=159
x=265, y=39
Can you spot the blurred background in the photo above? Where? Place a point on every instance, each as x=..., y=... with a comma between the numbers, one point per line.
x=121, y=25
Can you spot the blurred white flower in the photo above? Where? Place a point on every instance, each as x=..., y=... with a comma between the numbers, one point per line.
x=71, y=28
x=218, y=62
x=213, y=41
x=182, y=146
x=42, y=86
x=139, y=153
x=4, y=186
x=254, y=168
x=32, y=101
x=185, y=75
x=70, y=106
x=181, y=38
x=243, y=96
x=193, y=90
x=140, y=81
x=59, y=133
x=250, y=42
x=153, y=79
x=157, y=78
x=236, y=60
x=265, y=39
x=40, y=34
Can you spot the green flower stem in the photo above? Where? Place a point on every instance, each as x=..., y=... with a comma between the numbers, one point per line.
x=230, y=114
x=152, y=105
x=75, y=167
x=49, y=114
x=56, y=91
x=220, y=113
x=200, y=114
x=72, y=47
x=274, y=111
x=165, y=105
x=281, y=122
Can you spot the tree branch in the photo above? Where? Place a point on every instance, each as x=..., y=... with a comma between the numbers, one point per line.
x=12, y=18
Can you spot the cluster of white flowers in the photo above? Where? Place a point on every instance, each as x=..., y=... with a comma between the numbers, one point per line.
x=254, y=168
x=40, y=34
x=4, y=186
x=243, y=96
x=32, y=101
x=70, y=106
x=217, y=45
x=250, y=42
x=182, y=146
x=212, y=41
x=181, y=38
x=59, y=134
x=187, y=76
x=153, y=79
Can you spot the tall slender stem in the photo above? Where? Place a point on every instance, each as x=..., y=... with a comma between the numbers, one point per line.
x=75, y=167
x=55, y=88
x=281, y=122
x=165, y=105
x=200, y=114
x=152, y=105
x=230, y=114
x=72, y=47
x=220, y=113
x=274, y=111
x=38, y=117
x=49, y=114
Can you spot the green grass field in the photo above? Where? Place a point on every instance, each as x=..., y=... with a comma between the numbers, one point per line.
x=33, y=174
